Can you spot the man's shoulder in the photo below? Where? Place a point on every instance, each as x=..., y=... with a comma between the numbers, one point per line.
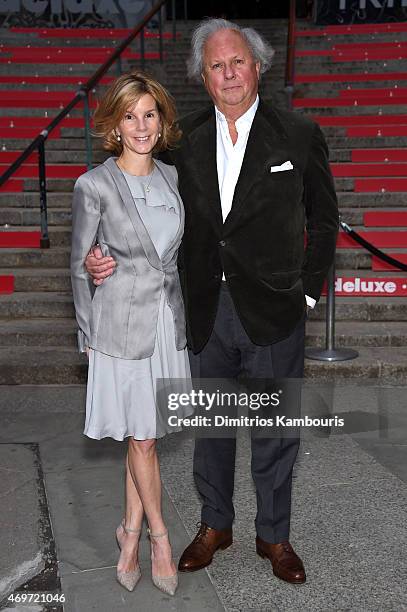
x=193, y=120
x=288, y=119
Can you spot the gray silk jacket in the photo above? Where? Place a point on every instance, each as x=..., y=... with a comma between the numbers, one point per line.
x=119, y=317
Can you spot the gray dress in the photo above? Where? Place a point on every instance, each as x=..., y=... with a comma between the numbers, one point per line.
x=122, y=393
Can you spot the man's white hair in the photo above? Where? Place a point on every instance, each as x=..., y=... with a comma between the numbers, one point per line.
x=260, y=49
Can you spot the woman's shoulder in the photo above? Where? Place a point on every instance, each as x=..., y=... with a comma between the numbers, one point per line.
x=93, y=175
x=168, y=170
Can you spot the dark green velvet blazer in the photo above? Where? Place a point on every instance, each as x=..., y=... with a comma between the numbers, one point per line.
x=278, y=241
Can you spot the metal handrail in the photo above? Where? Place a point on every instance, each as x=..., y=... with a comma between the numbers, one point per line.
x=290, y=57
x=81, y=95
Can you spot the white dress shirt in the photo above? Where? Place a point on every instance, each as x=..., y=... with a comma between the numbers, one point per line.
x=229, y=159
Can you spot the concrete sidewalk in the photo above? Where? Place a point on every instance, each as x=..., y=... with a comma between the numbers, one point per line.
x=348, y=524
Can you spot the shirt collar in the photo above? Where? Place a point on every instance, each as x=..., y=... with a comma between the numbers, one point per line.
x=245, y=119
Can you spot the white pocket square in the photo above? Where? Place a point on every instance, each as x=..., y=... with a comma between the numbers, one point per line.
x=285, y=166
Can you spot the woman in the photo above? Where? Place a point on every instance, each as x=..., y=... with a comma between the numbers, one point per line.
x=132, y=326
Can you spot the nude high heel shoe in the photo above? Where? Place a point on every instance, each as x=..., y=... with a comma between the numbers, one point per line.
x=166, y=584
x=127, y=579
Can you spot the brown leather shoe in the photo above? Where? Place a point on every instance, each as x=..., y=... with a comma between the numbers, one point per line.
x=286, y=564
x=200, y=552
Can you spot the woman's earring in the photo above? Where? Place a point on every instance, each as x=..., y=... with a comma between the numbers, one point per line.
x=159, y=134
x=118, y=137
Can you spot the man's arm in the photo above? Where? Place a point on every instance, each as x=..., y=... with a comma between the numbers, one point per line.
x=322, y=219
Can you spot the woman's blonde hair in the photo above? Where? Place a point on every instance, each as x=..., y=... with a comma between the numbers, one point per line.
x=121, y=95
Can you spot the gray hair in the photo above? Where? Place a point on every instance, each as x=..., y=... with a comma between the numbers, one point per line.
x=260, y=49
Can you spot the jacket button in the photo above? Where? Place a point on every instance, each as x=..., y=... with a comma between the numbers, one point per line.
x=222, y=243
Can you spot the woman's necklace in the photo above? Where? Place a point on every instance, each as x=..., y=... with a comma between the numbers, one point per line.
x=147, y=186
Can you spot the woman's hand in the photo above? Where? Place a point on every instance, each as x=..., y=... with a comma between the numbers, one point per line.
x=99, y=267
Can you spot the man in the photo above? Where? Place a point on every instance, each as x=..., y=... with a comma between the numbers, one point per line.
x=251, y=177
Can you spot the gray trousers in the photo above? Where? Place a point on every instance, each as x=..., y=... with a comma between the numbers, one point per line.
x=230, y=353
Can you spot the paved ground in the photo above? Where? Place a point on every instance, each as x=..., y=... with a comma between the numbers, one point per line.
x=349, y=510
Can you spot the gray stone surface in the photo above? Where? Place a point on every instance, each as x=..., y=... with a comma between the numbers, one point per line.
x=85, y=485
x=348, y=522
x=20, y=537
x=342, y=500
x=37, y=399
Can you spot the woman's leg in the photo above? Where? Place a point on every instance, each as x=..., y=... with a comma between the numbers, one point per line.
x=133, y=520
x=145, y=470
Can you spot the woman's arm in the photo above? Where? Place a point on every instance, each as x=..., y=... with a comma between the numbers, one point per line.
x=85, y=223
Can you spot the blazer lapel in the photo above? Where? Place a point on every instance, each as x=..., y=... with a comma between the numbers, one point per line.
x=202, y=142
x=266, y=146
x=132, y=211
x=177, y=239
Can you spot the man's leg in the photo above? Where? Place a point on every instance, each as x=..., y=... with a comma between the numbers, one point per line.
x=273, y=457
x=214, y=458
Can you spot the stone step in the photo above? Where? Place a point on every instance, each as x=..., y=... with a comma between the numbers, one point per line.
x=388, y=364
x=21, y=69
x=36, y=305
x=47, y=113
x=50, y=365
x=32, y=200
x=62, y=333
x=348, y=199
x=170, y=79
x=359, y=333
x=366, y=142
x=314, y=64
x=52, y=144
x=328, y=42
x=58, y=257
x=354, y=216
x=364, y=309
x=39, y=332
x=75, y=157
x=57, y=185
x=61, y=200
x=324, y=89
x=58, y=304
x=31, y=216
x=29, y=366
x=335, y=140
x=345, y=184
x=386, y=109
x=55, y=257
x=341, y=132
x=43, y=275
x=58, y=279
x=40, y=279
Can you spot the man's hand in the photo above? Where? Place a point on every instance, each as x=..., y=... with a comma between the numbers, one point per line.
x=99, y=267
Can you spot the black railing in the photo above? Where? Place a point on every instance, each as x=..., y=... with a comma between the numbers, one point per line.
x=82, y=95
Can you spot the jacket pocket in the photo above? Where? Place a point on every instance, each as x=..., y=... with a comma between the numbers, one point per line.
x=282, y=281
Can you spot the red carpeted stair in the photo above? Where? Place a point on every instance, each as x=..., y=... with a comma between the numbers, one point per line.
x=364, y=160
x=42, y=68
